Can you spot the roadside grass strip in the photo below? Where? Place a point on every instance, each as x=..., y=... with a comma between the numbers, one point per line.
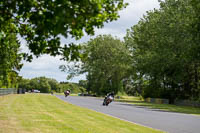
x=164, y=107
x=40, y=113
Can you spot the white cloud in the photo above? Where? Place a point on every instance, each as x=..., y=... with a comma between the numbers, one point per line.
x=128, y=17
x=44, y=62
x=44, y=66
x=48, y=66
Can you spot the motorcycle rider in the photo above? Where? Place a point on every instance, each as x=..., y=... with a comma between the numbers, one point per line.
x=67, y=93
x=109, y=95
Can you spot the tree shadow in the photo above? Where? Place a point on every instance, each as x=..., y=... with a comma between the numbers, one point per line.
x=146, y=107
x=159, y=108
x=132, y=101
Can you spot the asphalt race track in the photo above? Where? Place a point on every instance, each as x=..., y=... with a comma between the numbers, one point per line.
x=154, y=118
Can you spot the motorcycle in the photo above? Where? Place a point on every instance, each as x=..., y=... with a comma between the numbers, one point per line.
x=67, y=93
x=108, y=100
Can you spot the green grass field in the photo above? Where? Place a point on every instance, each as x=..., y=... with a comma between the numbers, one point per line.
x=40, y=113
x=165, y=107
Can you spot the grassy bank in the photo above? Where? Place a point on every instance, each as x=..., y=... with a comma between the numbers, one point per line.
x=37, y=113
x=165, y=107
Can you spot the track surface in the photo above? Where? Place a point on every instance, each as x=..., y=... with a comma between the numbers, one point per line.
x=154, y=118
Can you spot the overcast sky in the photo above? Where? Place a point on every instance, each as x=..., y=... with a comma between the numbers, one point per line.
x=49, y=66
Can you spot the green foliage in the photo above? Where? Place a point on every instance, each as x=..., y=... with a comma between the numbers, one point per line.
x=106, y=63
x=43, y=84
x=83, y=83
x=54, y=85
x=164, y=47
x=73, y=87
x=9, y=58
x=41, y=23
x=25, y=84
x=40, y=83
x=47, y=85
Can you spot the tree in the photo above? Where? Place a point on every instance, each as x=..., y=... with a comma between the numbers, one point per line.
x=73, y=87
x=10, y=59
x=42, y=23
x=84, y=84
x=41, y=84
x=54, y=85
x=106, y=63
x=164, y=50
x=25, y=84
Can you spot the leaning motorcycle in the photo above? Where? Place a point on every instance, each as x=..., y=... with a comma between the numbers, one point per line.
x=66, y=93
x=108, y=100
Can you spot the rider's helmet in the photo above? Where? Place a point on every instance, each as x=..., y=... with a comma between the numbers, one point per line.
x=68, y=91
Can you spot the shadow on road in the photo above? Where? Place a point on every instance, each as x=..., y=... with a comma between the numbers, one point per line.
x=150, y=107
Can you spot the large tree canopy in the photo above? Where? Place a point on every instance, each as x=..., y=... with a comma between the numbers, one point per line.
x=107, y=63
x=165, y=48
x=42, y=22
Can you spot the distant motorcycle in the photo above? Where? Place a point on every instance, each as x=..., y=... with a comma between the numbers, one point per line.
x=108, y=100
x=67, y=93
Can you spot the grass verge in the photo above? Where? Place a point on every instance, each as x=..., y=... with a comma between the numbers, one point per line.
x=39, y=113
x=163, y=107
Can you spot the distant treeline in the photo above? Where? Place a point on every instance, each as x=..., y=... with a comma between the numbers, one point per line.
x=47, y=85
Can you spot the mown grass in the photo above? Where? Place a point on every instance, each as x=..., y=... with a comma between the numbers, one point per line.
x=40, y=113
x=162, y=107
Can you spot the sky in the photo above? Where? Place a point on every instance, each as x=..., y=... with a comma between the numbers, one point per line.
x=48, y=66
